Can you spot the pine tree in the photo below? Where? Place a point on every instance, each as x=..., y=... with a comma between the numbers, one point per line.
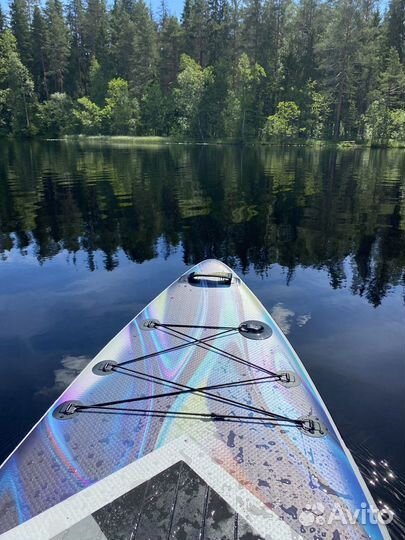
x=253, y=29
x=78, y=65
x=392, y=82
x=307, y=27
x=2, y=21
x=340, y=64
x=218, y=31
x=144, y=59
x=39, y=61
x=235, y=37
x=20, y=26
x=396, y=27
x=96, y=30
x=195, y=25
x=122, y=32
x=277, y=20
x=370, y=47
x=169, y=44
x=57, y=46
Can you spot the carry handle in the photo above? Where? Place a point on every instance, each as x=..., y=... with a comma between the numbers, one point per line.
x=223, y=278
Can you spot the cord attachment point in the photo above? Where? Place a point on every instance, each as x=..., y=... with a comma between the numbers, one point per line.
x=67, y=410
x=312, y=426
x=255, y=330
x=149, y=324
x=105, y=367
x=289, y=379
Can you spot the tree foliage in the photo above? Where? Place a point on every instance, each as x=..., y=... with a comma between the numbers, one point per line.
x=227, y=69
x=55, y=115
x=192, y=82
x=120, y=112
x=285, y=123
x=16, y=89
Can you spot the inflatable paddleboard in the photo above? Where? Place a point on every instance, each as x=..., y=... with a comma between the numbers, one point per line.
x=197, y=421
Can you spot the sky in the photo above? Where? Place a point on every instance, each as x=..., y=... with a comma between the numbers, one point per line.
x=175, y=7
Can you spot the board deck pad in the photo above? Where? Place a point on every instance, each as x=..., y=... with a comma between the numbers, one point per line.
x=176, y=503
x=272, y=474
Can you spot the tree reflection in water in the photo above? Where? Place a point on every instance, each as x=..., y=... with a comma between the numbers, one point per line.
x=247, y=206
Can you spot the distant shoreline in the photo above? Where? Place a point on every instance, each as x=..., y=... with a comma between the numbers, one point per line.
x=157, y=140
x=152, y=140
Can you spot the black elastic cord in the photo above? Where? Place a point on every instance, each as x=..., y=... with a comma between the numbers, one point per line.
x=154, y=378
x=226, y=354
x=189, y=389
x=175, y=348
x=198, y=326
x=185, y=389
x=193, y=416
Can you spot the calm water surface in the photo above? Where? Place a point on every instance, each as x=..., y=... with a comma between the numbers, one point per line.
x=91, y=233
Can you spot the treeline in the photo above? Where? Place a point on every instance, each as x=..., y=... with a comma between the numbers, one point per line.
x=261, y=69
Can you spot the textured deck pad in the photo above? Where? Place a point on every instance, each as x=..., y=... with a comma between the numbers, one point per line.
x=284, y=470
x=177, y=503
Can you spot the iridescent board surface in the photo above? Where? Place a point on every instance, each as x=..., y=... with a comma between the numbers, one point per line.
x=258, y=434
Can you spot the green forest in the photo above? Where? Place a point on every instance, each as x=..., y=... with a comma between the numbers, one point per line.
x=258, y=70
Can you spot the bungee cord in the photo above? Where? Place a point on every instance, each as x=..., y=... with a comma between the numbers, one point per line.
x=254, y=414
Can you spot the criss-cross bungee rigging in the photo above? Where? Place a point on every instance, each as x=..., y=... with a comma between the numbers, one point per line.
x=250, y=329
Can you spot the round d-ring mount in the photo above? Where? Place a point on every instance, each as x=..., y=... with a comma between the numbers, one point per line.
x=289, y=379
x=255, y=330
x=311, y=426
x=66, y=410
x=149, y=324
x=106, y=367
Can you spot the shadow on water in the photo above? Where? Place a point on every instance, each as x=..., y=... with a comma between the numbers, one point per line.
x=329, y=224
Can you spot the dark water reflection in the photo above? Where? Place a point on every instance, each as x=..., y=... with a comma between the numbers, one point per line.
x=319, y=235
x=249, y=207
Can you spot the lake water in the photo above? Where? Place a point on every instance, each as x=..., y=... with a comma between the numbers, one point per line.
x=90, y=233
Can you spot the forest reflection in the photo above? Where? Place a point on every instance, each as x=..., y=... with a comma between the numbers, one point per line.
x=247, y=206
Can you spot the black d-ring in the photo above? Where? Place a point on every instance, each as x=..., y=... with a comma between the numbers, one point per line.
x=66, y=410
x=106, y=367
x=255, y=330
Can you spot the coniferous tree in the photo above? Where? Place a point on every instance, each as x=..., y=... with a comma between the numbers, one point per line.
x=20, y=26
x=218, y=31
x=96, y=31
x=78, y=64
x=2, y=21
x=370, y=47
x=39, y=61
x=253, y=29
x=235, y=33
x=122, y=30
x=195, y=25
x=396, y=27
x=392, y=82
x=277, y=18
x=339, y=64
x=144, y=59
x=57, y=46
x=307, y=27
x=169, y=45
